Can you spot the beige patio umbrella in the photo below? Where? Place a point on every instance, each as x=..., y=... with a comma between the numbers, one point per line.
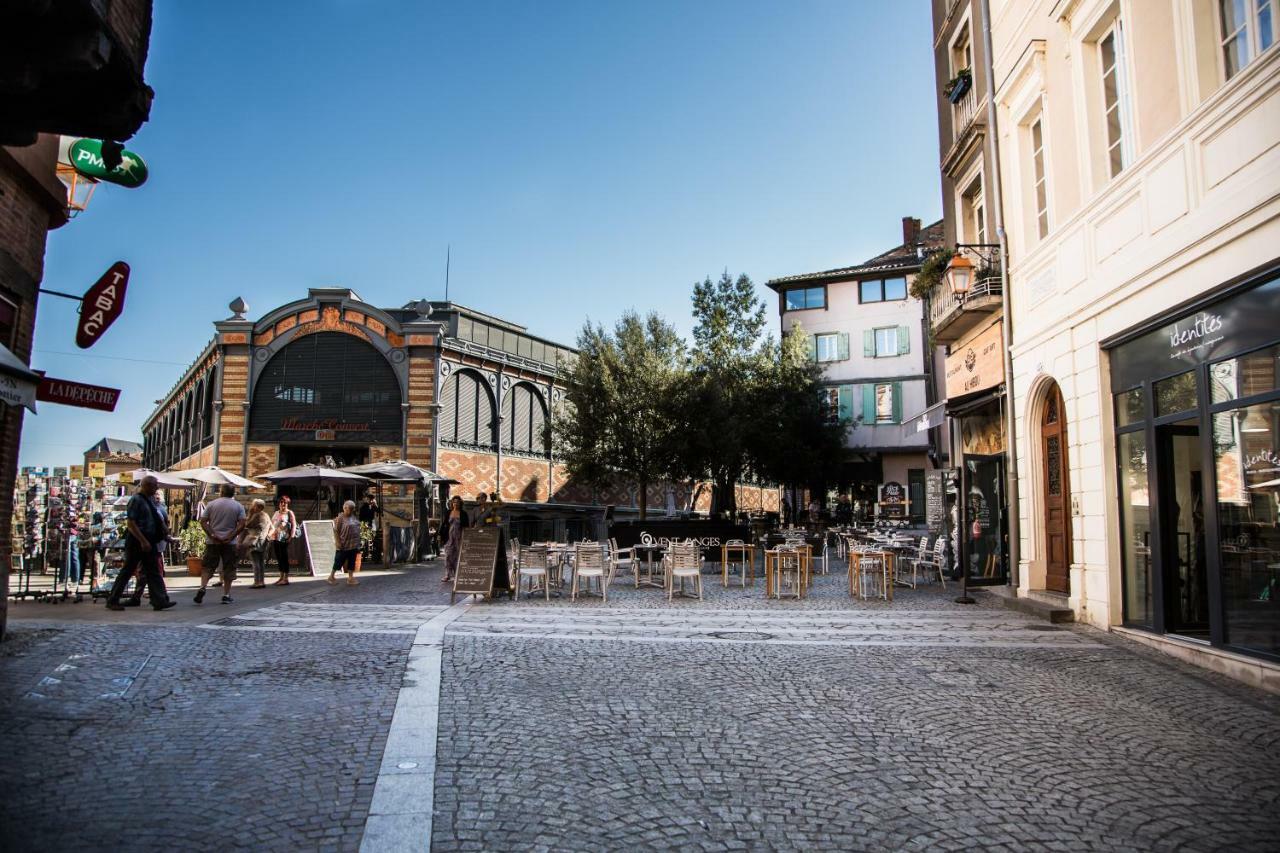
x=215, y=476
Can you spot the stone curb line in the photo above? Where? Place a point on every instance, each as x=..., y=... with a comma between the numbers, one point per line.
x=404, y=794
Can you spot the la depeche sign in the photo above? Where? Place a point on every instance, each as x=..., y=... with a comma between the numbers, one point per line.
x=103, y=303
x=77, y=394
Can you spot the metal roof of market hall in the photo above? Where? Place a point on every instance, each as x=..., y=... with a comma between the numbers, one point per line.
x=899, y=258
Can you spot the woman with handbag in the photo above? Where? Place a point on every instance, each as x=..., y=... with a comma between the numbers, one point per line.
x=256, y=535
x=284, y=526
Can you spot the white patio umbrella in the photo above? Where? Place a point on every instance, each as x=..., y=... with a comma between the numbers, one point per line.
x=313, y=476
x=166, y=481
x=215, y=476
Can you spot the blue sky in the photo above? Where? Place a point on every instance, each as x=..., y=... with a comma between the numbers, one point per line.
x=581, y=158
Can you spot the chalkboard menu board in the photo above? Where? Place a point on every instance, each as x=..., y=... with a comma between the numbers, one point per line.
x=893, y=500
x=319, y=544
x=936, y=485
x=480, y=557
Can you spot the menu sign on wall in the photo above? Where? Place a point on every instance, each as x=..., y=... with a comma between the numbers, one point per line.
x=893, y=500
x=936, y=485
x=977, y=365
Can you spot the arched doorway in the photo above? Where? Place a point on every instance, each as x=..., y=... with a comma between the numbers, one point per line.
x=1057, y=492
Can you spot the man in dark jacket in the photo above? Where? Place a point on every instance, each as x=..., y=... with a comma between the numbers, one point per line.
x=146, y=531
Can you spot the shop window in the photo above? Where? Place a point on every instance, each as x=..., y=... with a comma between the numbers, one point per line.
x=1176, y=394
x=1246, y=446
x=1254, y=373
x=1131, y=407
x=1135, y=528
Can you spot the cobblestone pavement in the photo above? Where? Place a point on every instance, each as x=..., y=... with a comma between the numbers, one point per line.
x=727, y=723
x=581, y=727
x=181, y=738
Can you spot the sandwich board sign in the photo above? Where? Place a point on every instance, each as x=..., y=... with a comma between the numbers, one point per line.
x=482, y=558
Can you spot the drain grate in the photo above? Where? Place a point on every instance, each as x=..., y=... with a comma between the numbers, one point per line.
x=741, y=635
x=1037, y=627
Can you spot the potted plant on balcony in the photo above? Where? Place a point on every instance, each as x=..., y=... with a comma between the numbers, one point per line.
x=958, y=85
x=931, y=273
x=192, y=541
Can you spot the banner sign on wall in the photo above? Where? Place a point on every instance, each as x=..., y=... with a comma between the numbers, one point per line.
x=79, y=394
x=977, y=365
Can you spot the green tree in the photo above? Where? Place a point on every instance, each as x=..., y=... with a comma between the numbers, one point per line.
x=797, y=437
x=731, y=361
x=618, y=422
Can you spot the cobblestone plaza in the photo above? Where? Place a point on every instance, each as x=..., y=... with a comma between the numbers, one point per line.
x=727, y=724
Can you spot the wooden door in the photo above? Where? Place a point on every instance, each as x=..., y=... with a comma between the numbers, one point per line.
x=1057, y=503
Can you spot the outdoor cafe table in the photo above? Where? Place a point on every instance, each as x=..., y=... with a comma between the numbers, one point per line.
x=771, y=562
x=748, y=555
x=647, y=564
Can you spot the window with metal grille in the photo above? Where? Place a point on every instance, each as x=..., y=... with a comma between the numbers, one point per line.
x=327, y=381
x=466, y=411
x=524, y=420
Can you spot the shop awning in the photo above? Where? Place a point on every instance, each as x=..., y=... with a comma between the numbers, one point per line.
x=957, y=406
x=926, y=420
x=18, y=382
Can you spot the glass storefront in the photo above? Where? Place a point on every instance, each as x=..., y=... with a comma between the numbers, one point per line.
x=1197, y=416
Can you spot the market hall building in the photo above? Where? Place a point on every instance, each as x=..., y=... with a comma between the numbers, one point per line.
x=333, y=378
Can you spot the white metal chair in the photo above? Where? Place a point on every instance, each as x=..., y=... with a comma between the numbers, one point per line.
x=788, y=572
x=588, y=563
x=684, y=562
x=934, y=560
x=620, y=558
x=531, y=565
x=739, y=560
x=870, y=577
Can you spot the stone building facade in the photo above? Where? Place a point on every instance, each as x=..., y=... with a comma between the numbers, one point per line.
x=332, y=378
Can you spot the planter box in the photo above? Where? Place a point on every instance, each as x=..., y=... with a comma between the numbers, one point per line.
x=195, y=566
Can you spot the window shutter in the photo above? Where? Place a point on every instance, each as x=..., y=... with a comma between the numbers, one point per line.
x=897, y=402
x=904, y=340
x=537, y=424
x=869, y=343
x=868, y=404
x=813, y=347
x=467, y=388
x=449, y=410
x=523, y=410
x=844, y=346
x=846, y=403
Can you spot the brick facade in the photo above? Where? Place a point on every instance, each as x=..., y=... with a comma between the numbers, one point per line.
x=28, y=209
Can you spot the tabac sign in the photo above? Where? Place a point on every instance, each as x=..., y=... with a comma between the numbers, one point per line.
x=977, y=365
x=102, y=305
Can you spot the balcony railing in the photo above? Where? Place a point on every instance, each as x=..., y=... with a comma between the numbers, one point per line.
x=983, y=298
x=962, y=114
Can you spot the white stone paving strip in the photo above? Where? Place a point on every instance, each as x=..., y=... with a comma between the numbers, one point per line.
x=404, y=795
x=340, y=618
x=813, y=628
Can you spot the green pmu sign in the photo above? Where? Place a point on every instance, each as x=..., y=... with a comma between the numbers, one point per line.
x=86, y=158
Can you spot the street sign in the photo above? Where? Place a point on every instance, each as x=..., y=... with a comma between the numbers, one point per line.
x=77, y=394
x=103, y=303
x=86, y=158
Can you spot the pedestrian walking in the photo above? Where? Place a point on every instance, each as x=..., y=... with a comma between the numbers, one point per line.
x=455, y=521
x=255, y=539
x=224, y=519
x=284, y=526
x=146, y=530
x=346, y=541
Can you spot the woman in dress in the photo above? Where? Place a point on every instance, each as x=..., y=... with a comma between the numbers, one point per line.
x=346, y=542
x=455, y=521
x=284, y=526
x=256, y=537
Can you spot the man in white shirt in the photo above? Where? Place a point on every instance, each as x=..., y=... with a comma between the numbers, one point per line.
x=223, y=520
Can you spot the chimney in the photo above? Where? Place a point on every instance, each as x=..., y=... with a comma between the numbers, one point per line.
x=910, y=231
